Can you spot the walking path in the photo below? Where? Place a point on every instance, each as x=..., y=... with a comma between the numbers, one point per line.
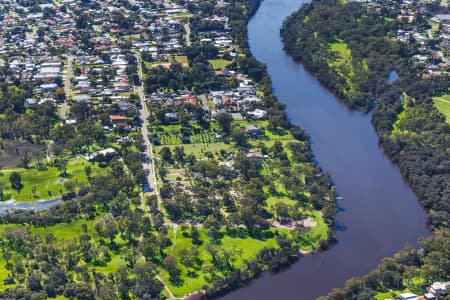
x=187, y=36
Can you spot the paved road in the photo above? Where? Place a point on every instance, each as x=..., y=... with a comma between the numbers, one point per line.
x=149, y=167
x=69, y=73
x=187, y=36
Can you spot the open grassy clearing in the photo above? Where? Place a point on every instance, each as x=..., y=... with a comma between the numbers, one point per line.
x=443, y=105
x=46, y=183
x=236, y=239
x=219, y=63
x=342, y=63
x=182, y=59
x=396, y=127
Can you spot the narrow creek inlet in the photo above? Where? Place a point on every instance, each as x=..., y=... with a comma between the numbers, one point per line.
x=379, y=213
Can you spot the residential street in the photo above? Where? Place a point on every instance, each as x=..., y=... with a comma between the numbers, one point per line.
x=149, y=167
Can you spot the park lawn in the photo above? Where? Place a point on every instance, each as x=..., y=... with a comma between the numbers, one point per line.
x=65, y=231
x=113, y=265
x=272, y=200
x=47, y=183
x=442, y=103
x=250, y=248
x=219, y=63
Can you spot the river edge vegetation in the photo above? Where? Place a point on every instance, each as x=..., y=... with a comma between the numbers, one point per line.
x=352, y=50
x=107, y=241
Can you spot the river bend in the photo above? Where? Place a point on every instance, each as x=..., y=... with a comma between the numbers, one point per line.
x=379, y=212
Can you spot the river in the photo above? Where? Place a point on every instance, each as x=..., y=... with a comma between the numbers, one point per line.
x=379, y=212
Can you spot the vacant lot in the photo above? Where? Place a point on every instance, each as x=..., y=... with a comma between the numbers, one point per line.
x=12, y=152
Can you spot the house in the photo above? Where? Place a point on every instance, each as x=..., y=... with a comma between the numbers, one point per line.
x=429, y=296
x=30, y=103
x=253, y=130
x=49, y=87
x=82, y=98
x=254, y=154
x=171, y=117
x=117, y=119
x=439, y=288
x=257, y=114
x=107, y=153
x=125, y=105
x=408, y=296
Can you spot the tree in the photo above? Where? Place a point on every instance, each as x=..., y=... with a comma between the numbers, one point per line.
x=179, y=154
x=225, y=120
x=16, y=181
x=60, y=94
x=88, y=171
x=34, y=283
x=240, y=137
x=146, y=286
x=188, y=257
x=106, y=227
x=166, y=154
x=170, y=263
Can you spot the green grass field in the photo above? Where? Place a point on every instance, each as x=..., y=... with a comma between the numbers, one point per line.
x=46, y=184
x=219, y=63
x=443, y=105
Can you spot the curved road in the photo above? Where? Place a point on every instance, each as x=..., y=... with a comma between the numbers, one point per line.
x=379, y=213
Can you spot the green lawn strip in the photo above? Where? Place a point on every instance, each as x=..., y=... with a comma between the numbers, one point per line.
x=199, y=149
x=396, y=127
x=47, y=183
x=4, y=273
x=343, y=63
x=442, y=103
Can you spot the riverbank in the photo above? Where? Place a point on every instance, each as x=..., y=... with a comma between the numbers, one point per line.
x=406, y=131
x=8, y=205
